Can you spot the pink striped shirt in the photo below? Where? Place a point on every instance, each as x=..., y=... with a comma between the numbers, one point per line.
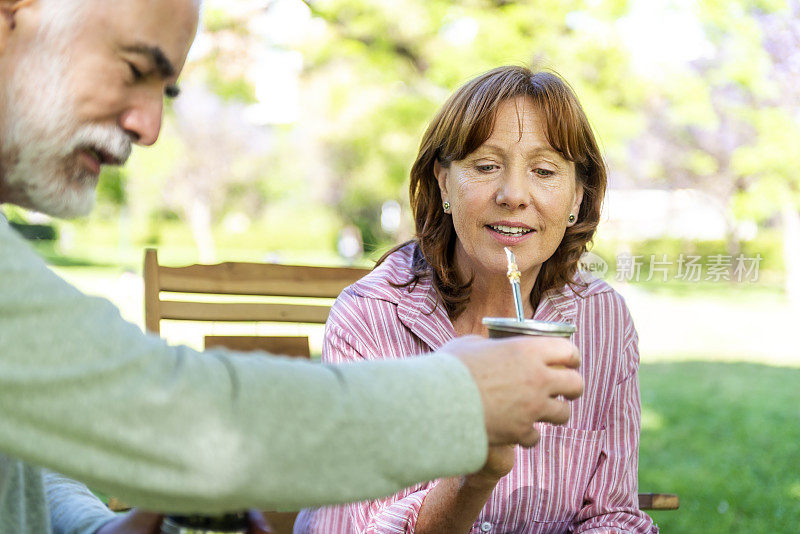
x=581, y=477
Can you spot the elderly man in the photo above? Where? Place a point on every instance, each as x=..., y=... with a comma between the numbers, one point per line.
x=86, y=394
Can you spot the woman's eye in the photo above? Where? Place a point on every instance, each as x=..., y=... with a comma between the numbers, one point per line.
x=489, y=167
x=137, y=74
x=544, y=173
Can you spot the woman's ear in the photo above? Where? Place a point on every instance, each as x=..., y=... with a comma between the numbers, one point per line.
x=576, y=205
x=441, y=173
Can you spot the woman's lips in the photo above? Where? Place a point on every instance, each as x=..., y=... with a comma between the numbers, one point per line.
x=501, y=233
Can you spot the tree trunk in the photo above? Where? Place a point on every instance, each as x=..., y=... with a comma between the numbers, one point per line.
x=733, y=243
x=791, y=251
x=200, y=222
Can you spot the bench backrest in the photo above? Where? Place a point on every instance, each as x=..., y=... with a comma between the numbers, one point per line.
x=295, y=283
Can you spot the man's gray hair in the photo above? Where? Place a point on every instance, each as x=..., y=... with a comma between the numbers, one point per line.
x=60, y=17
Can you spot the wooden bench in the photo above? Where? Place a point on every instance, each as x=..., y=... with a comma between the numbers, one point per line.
x=658, y=501
x=295, y=284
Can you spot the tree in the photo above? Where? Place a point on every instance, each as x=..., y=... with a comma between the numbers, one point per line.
x=774, y=159
x=727, y=123
x=376, y=75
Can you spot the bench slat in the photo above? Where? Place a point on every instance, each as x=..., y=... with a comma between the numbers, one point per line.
x=658, y=501
x=243, y=312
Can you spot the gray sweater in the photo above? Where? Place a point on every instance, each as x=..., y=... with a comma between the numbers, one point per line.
x=166, y=428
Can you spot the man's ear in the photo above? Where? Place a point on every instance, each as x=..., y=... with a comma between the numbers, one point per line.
x=8, y=19
x=6, y=25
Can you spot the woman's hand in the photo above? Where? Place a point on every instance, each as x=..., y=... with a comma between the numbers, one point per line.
x=498, y=464
x=454, y=503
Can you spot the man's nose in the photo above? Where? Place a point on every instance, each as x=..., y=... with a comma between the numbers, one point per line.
x=142, y=121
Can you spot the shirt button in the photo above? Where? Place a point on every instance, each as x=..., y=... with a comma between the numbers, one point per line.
x=486, y=526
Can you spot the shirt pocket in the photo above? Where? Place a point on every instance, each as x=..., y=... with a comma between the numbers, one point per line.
x=563, y=463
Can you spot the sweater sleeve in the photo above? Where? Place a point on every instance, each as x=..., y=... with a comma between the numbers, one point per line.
x=73, y=508
x=167, y=428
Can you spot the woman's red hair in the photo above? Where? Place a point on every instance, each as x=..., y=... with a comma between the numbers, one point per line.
x=463, y=124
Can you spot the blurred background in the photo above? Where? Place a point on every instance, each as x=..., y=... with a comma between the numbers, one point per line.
x=298, y=123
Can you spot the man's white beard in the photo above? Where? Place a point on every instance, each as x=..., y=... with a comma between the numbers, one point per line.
x=40, y=143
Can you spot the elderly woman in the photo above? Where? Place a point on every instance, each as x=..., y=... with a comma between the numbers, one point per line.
x=509, y=161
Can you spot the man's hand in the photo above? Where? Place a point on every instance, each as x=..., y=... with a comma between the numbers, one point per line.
x=520, y=380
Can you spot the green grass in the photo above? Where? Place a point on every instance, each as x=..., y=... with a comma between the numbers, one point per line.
x=710, y=289
x=726, y=438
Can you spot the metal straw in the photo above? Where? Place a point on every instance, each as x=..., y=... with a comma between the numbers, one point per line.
x=513, y=277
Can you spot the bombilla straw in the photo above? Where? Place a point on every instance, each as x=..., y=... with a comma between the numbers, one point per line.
x=513, y=277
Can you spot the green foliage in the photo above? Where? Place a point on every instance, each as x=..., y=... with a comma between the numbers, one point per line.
x=775, y=160
x=230, y=88
x=403, y=59
x=727, y=123
x=228, y=35
x=14, y=213
x=111, y=187
x=374, y=73
x=287, y=227
x=216, y=20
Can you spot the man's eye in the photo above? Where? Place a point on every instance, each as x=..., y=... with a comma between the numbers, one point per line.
x=137, y=74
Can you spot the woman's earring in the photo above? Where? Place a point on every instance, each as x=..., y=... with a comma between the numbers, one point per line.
x=571, y=218
x=446, y=206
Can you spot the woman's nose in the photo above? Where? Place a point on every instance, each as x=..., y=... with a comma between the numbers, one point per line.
x=514, y=190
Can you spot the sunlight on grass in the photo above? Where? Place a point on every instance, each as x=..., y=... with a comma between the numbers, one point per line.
x=716, y=446
x=716, y=328
x=651, y=420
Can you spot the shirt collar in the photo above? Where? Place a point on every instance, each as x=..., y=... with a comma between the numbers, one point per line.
x=558, y=305
x=422, y=312
x=420, y=309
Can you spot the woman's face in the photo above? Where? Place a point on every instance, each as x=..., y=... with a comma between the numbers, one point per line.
x=514, y=191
